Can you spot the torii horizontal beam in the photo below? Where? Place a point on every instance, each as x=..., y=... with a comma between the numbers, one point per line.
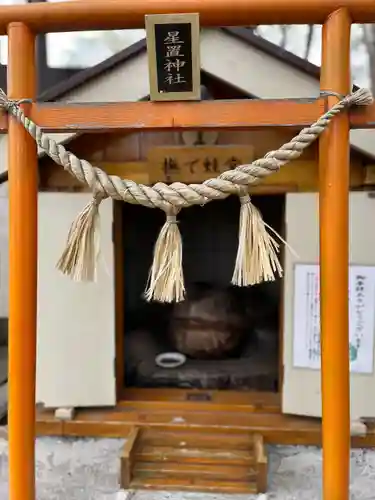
x=141, y=116
x=120, y=14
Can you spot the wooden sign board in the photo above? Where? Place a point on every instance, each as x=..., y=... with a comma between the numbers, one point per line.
x=173, y=56
x=196, y=163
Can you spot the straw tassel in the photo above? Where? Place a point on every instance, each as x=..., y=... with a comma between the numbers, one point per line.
x=166, y=278
x=257, y=255
x=79, y=259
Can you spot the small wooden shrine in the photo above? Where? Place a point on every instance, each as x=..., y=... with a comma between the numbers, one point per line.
x=248, y=366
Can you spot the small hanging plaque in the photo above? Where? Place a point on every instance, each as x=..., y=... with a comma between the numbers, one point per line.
x=173, y=56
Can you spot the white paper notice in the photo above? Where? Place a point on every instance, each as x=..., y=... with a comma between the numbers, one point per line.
x=306, y=326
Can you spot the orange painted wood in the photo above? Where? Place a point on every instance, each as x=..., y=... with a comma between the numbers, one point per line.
x=334, y=259
x=134, y=116
x=101, y=14
x=362, y=117
x=23, y=204
x=148, y=115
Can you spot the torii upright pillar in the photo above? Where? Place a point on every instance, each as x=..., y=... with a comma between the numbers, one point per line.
x=23, y=203
x=334, y=170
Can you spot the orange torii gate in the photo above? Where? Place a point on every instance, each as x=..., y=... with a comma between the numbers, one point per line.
x=21, y=23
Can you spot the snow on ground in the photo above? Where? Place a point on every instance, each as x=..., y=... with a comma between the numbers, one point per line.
x=88, y=469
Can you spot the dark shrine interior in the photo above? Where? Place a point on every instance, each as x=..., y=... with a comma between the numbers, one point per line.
x=229, y=335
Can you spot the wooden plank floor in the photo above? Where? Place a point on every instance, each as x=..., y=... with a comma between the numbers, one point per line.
x=118, y=422
x=227, y=401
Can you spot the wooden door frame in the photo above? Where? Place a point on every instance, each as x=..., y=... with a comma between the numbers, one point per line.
x=118, y=243
x=242, y=398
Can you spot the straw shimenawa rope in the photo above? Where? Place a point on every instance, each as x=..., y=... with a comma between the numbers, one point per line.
x=257, y=254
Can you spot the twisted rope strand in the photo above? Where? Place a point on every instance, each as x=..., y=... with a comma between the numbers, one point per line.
x=179, y=195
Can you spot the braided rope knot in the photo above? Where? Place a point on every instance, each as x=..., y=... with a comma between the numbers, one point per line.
x=12, y=104
x=172, y=219
x=98, y=194
x=244, y=199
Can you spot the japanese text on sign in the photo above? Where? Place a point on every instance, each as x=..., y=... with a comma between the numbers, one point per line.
x=174, y=57
x=207, y=165
x=306, y=335
x=196, y=163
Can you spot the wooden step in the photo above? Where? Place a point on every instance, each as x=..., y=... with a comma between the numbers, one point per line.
x=194, y=455
x=262, y=463
x=204, y=471
x=194, y=461
x=127, y=458
x=191, y=439
x=196, y=485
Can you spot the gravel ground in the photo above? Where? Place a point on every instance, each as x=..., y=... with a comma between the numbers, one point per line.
x=87, y=469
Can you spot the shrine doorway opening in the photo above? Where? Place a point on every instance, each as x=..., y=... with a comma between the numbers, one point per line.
x=231, y=336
